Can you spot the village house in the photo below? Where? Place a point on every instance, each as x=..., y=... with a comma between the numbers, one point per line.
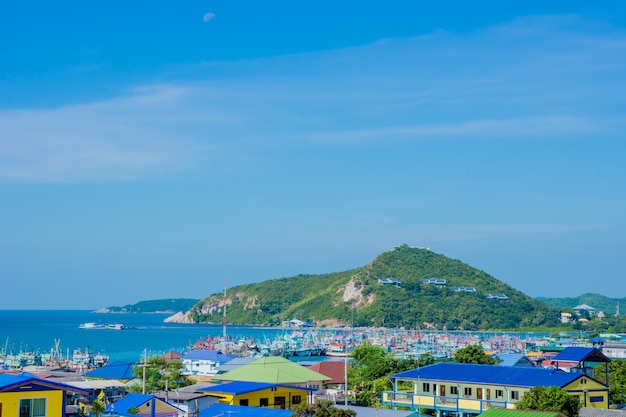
x=26, y=395
x=471, y=389
x=259, y=394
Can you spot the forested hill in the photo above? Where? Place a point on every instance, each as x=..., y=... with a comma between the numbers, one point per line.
x=358, y=297
x=599, y=302
x=168, y=305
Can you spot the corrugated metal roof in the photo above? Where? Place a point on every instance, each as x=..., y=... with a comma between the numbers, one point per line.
x=580, y=354
x=122, y=371
x=272, y=369
x=496, y=412
x=490, y=374
x=130, y=401
x=208, y=355
x=243, y=411
x=243, y=387
x=9, y=382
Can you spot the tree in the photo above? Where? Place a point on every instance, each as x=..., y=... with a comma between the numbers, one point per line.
x=369, y=370
x=159, y=373
x=323, y=408
x=98, y=407
x=549, y=399
x=617, y=379
x=474, y=354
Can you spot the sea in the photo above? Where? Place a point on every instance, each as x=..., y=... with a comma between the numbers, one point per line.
x=142, y=334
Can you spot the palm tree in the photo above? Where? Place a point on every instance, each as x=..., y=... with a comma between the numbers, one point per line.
x=98, y=407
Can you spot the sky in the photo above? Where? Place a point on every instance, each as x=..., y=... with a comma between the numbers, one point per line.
x=152, y=150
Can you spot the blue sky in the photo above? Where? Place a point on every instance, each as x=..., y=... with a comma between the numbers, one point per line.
x=149, y=150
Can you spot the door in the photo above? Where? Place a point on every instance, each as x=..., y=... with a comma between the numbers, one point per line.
x=442, y=390
x=479, y=393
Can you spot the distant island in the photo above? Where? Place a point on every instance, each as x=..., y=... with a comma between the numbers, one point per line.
x=168, y=306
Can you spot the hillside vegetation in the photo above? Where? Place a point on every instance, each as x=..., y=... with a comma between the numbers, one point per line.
x=599, y=302
x=356, y=297
x=155, y=306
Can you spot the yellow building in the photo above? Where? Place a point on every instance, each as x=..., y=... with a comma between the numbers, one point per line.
x=26, y=395
x=472, y=389
x=259, y=394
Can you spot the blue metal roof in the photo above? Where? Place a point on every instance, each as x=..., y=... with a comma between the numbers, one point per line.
x=243, y=387
x=9, y=382
x=490, y=374
x=130, y=401
x=513, y=359
x=219, y=410
x=580, y=354
x=114, y=370
x=207, y=355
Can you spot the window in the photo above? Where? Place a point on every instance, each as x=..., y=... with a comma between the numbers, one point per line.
x=499, y=393
x=264, y=402
x=467, y=391
x=243, y=402
x=426, y=387
x=515, y=395
x=33, y=407
x=454, y=390
x=596, y=399
x=583, y=381
x=296, y=399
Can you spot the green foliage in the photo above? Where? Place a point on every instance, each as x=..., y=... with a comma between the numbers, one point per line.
x=133, y=410
x=549, y=399
x=170, y=305
x=599, y=302
x=98, y=407
x=322, y=408
x=159, y=374
x=324, y=299
x=617, y=379
x=474, y=354
x=370, y=367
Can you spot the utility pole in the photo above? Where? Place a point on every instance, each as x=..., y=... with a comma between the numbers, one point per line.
x=144, y=365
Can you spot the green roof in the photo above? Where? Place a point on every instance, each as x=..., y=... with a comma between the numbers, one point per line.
x=273, y=369
x=497, y=412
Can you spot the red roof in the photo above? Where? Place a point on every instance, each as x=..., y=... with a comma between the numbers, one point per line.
x=333, y=369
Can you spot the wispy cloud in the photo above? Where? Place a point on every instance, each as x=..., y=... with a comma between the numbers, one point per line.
x=537, y=77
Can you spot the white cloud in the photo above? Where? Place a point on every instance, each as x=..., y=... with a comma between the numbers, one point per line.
x=536, y=77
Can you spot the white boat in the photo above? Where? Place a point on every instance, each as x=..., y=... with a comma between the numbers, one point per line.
x=115, y=326
x=91, y=325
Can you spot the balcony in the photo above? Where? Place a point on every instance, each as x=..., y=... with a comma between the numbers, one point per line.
x=457, y=404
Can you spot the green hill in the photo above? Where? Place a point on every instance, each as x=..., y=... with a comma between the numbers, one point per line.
x=599, y=302
x=169, y=305
x=357, y=297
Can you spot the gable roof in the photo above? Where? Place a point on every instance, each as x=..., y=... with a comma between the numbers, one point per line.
x=580, y=354
x=207, y=355
x=122, y=371
x=124, y=404
x=274, y=369
x=336, y=370
x=497, y=412
x=9, y=382
x=513, y=359
x=243, y=411
x=234, y=364
x=490, y=374
x=244, y=387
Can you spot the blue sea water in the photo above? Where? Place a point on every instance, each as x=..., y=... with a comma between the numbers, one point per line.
x=31, y=330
